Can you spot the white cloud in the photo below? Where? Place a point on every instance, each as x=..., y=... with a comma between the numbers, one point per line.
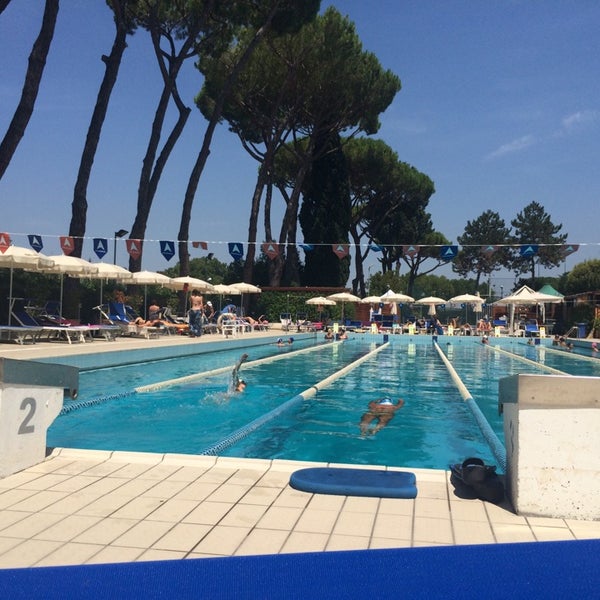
x=580, y=120
x=514, y=146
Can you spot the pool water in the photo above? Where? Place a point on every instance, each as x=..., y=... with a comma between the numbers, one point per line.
x=435, y=427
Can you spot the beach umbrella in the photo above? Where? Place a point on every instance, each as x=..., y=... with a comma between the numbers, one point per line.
x=467, y=299
x=147, y=278
x=190, y=283
x=431, y=302
x=343, y=297
x=21, y=258
x=63, y=264
x=320, y=301
x=371, y=300
x=245, y=288
x=105, y=271
x=390, y=297
x=225, y=290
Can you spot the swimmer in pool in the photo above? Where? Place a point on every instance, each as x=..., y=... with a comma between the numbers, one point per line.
x=238, y=385
x=382, y=411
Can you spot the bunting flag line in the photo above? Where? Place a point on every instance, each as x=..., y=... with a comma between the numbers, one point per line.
x=271, y=249
x=340, y=250
x=307, y=247
x=567, y=249
x=375, y=248
x=202, y=245
x=167, y=249
x=236, y=250
x=527, y=250
x=448, y=253
x=35, y=241
x=489, y=249
x=67, y=244
x=411, y=251
x=4, y=242
x=134, y=248
x=100, y=247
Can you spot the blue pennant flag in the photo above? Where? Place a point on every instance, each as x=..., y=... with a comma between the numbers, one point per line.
x=448, y=253
x=100, y=247
x=236, y=249
x=35, y=241
x=167, y=249
x=375, y=248
x=307, y=247
x=528, y=250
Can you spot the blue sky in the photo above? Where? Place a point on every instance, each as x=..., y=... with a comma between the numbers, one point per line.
x=500, y=106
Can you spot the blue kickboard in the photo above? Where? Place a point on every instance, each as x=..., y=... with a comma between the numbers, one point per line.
x=355, y=482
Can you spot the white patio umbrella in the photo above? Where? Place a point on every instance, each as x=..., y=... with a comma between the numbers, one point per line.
x=147, y=278
x=371, y=300
x=190, y=283
x=320, y=301
x=225, y=290
x=467, y=299
x=21, y=258
x=245, y=288
x=431, y=302
x=105, y=271
x=343, y=297
x=63, y=264
x=391, y=297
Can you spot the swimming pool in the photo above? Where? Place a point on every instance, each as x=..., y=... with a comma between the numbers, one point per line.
x=435, y=426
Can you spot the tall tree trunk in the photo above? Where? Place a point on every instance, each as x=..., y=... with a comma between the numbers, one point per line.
x=152, y=168
x=198, y=168
x=35, y=70
x=3, y=5
x=112, y=66
x=253, y=222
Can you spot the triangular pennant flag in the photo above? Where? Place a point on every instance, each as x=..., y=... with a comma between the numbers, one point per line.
x=202, y=245
x=236, y=249
x=375, y=248
x=489, y=249
x=134, y=248
x=340, y=250
x=410, y=250
x=67, y=244
x=567, y=249
x=4, y=242
x=35, y=241
x=448, y=253
x=100, y=247
x=167, y=249
x=528, y=250
x=271, y=249
x=307, y=247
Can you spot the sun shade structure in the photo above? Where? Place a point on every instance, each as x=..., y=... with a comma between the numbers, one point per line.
x=320, y=301
x=109, y=271
x=371, y=300
x=21, y=258
x=391, y=297
x=190, y=283
x=343, y=297
x=525, y=296
x=467, y=299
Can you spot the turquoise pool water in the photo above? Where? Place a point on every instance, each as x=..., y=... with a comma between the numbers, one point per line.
x=435, y=426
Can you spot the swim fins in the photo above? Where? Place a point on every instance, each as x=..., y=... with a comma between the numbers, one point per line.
x=479, y=477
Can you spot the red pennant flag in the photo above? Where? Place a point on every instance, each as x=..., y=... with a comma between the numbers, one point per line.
x=270, y=249
x=410, y=250
x=567, y=249
x=134, y=248
x=340, y=250
x=67, y=244
x=4, y=242
x=202, y=245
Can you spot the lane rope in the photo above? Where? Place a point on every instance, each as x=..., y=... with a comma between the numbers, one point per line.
x=310, y=392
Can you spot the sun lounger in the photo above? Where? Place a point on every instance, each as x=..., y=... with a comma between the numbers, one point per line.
x=20, y=334
x=68, y=333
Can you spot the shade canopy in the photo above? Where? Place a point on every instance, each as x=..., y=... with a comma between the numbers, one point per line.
x=21, y=258
x=70, y=265
x=430, y=300
x=467, y=299
x=246, y=288
x=525, y=295
x=344, y=297
x=149, y=278
x=390, y=297
x=222, y=289
x=320, y=301
x=191, y=283
x=371, y=300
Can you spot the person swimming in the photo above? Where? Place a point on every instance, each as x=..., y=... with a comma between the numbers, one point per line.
x=237, y=384
x=382, y=411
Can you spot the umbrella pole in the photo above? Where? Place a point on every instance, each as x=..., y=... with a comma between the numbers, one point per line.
x=10, y=293
x=61, y=296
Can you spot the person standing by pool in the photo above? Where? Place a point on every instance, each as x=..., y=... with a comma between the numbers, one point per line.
x=382, y=411
x=237, y=384
x=195, y=314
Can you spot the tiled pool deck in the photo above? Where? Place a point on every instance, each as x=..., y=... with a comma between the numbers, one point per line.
x=83, y=507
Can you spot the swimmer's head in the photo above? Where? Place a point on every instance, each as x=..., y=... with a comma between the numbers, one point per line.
x=386, y=400
x=241, y=386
